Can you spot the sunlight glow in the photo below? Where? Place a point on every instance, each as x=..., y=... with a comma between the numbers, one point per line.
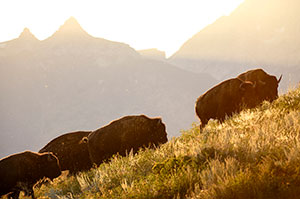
x=142, y=24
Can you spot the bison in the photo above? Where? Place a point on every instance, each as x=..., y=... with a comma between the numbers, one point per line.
x=73, y=154
x=266, y=85
x=19, y=172
x=125, y=134
x=226, y=98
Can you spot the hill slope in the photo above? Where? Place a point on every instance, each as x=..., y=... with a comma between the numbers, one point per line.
x=255, y=154
x=258, y=33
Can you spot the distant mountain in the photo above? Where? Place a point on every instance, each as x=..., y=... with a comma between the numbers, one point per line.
x=25, y=42
x=153, y=53
x=259, y=33
x=73, y=81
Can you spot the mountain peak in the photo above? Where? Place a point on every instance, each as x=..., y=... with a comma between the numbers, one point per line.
x=71, y=27
x=27, y=35
x=71, y=23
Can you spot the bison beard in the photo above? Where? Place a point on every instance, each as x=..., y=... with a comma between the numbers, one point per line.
x=19, y=172
x=226, y=98
x=125, y=134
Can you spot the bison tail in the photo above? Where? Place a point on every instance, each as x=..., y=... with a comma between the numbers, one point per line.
x=84, y=140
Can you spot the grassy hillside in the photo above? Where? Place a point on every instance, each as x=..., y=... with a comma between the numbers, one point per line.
x=255, y=154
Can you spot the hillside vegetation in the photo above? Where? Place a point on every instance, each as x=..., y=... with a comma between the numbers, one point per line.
x=255, y=154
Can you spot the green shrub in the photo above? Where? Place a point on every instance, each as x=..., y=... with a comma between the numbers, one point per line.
x=254, y=154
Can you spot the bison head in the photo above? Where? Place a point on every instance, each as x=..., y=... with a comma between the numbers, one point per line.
x=266, y=85
x=268, y=88
x=50, y=165
x=159, y=135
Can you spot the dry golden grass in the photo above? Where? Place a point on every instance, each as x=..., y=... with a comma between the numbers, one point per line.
x=255, y=154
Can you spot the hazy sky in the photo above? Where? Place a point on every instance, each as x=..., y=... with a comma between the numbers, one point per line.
x=161, y=24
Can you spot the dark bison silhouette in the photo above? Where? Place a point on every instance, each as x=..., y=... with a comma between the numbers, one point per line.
x=125, y=134
x=19, y=172
x=266, y=85
x=72, y=153
x=226, y=98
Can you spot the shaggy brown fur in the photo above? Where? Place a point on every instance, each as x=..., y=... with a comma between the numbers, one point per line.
x=266, y=85
x=125, y=134
x=73, y=154
x=226, y=98
x=19, y=172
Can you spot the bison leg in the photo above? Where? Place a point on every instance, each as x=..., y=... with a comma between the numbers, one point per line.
x=29, y=192
x=14, y=195
x=203, y=124
x=28, y=189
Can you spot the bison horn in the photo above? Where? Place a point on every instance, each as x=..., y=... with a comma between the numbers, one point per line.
x=279, y=79
x=49, y=158
x=84, y=140
x=159, y=121
x=254, y=84
x=245, y=84
x=242, y=86
x=262, y=82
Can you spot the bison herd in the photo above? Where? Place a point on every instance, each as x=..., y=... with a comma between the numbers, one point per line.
x=79, y=151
